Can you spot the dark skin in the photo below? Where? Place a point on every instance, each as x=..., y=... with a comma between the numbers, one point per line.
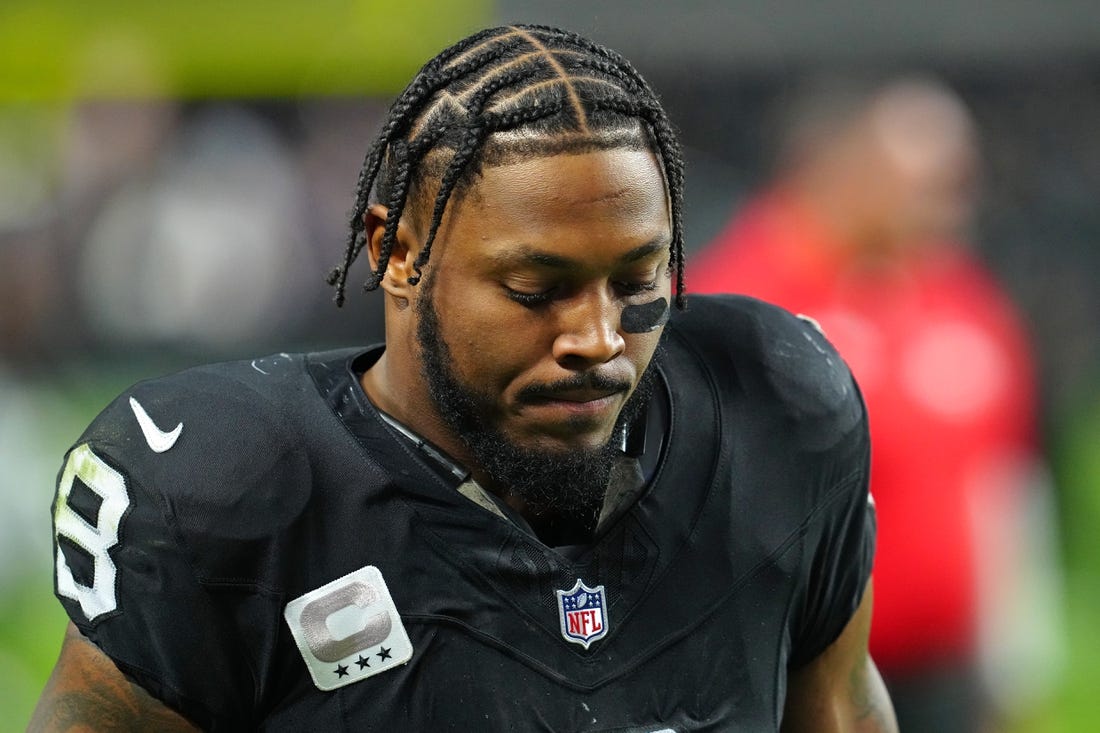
x=535, y=267
x=841, y=690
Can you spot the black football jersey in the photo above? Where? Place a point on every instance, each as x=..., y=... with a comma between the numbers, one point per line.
x=255, y=545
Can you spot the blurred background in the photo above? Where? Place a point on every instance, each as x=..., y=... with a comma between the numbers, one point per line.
x=174, y=180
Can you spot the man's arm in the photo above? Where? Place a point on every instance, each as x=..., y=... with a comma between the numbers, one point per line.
x=86, y=691
x=841, y=691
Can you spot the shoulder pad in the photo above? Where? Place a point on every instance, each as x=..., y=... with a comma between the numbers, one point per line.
x=216, y=447
x=780, y=357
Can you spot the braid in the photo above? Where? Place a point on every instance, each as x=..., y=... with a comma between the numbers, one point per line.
x=674, y=173
x=339, y=275
x=499, y=121
x=527, y=77
x=394, y=208
x=463, y=155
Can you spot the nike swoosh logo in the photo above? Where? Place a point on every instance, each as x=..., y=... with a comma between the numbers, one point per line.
x=157, y=439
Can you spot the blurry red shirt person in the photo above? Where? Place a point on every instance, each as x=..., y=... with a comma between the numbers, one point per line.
x=862, y=231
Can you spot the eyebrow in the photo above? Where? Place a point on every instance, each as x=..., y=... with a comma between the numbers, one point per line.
x=531, y=256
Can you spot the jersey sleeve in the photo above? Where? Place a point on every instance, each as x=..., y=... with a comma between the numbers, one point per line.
x=840, y=550
x=826, y=432
x=811, y=450
x=140, y=504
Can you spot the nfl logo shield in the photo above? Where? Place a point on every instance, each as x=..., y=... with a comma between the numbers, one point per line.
x=583, y=613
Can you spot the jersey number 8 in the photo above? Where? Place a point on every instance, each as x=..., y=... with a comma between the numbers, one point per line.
x=95, y=534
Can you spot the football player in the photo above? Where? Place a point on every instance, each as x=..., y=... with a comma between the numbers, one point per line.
x=555, y=499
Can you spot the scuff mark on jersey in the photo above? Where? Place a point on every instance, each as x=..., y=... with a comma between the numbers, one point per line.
x=271, y=362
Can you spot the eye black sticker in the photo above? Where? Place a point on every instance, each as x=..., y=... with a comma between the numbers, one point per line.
x=645, y=317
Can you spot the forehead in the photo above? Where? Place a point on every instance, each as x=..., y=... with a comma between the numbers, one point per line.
x=590, y=211
x=610, y=188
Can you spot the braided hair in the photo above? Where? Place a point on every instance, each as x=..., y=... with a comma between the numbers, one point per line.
x=552, y=91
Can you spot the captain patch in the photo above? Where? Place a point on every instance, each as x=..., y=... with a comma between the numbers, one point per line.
x=349, y=629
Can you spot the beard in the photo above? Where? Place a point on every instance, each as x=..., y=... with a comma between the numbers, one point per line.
x=554, y=485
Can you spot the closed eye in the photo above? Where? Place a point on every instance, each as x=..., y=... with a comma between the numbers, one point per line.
x=530, y=300
x=636, y=288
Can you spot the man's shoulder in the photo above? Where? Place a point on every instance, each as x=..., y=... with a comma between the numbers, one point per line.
x=218, y=461
x=175, y=514
x=771, y=355
x=187, y=411
x=757, y=334
x=213, y=436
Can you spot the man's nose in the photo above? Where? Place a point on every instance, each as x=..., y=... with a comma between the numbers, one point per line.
x=588, y=331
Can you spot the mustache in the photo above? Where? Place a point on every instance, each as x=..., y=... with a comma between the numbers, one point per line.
x=594, y=381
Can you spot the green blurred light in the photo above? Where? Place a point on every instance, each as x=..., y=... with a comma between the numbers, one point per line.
x=56, y=50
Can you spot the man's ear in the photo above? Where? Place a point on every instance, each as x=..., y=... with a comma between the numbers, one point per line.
x=399, y=266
